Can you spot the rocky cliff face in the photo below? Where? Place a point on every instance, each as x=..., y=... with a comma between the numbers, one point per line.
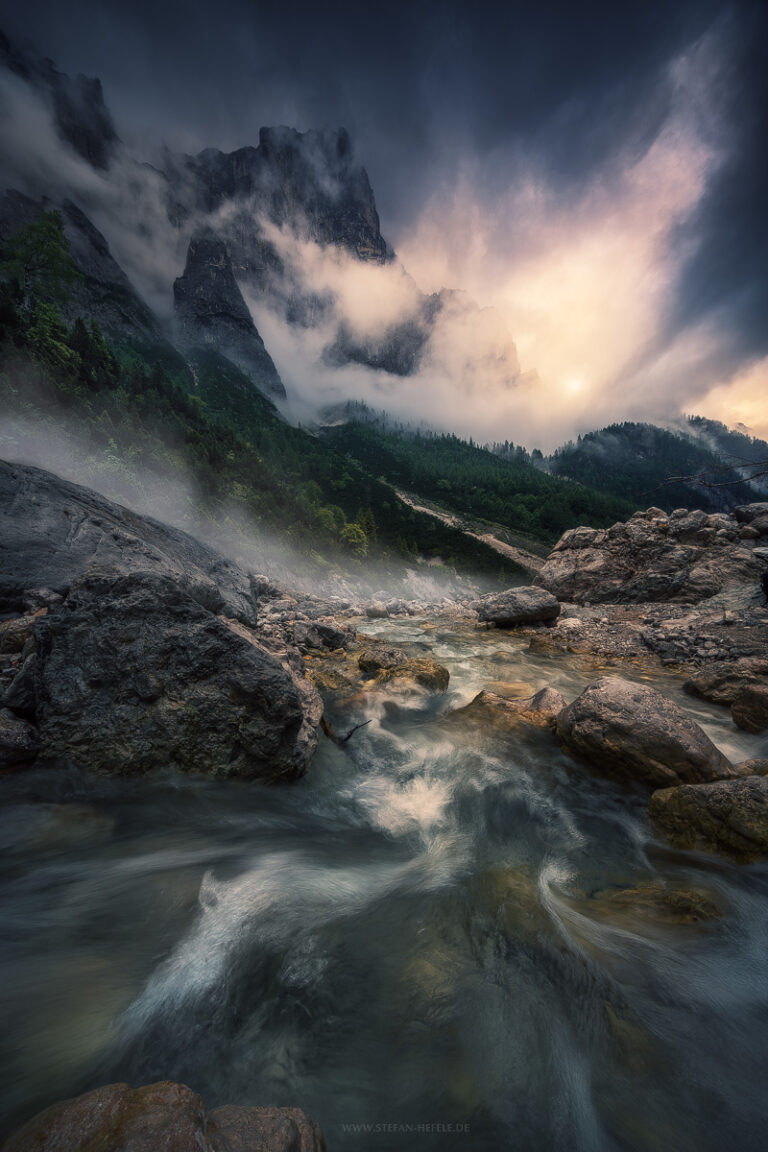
x=310, y=181
x=81, y=117
x=104, y=293
x=127, y=646
x=212, y=313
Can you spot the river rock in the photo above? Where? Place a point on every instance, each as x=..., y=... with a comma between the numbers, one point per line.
x=162, y=1117
x=750, y=708
x=518, y=606
x=721, y=682
x=133, y=675
x=419, y=670
x=685, y=557
x=491, y=712
x=632, y=732
x=374, y=659
x=19, y=741
x=726, y=815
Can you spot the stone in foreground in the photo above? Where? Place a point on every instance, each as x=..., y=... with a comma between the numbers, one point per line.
x=518, y=606
x=162, y=1117
x=631, y=732
x=725, y=815
x=133, y=675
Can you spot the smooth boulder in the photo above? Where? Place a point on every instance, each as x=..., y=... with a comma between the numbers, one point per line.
x=162, y=1117
x=489, y=712
x=724, y=815
x=518, y=606
x=632, y=732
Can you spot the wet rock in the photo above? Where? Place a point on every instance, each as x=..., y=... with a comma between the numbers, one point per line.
x=489, y=712
x=425, y=673
x=654, y=902
x=19, y=741
x=720, y=683
x=750, y=708
x=518, y=606
x=378, y=657
x=509, y=689
x=162, y=1117
x=757, y=766
x=724, y=815
x=134, y=675
x=631, y=732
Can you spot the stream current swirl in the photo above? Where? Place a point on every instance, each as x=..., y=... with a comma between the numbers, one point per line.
x=432, y=941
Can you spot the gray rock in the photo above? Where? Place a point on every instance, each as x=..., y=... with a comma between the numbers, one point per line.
x=518, y=606
x=162, y=1117
x=720, y=683
x=53, y=532
x=684, y=558
x=133, y=675
x=631, y=732
x=750, y=708
x=19, y=741
x=747, y=513
x=725, y=815
x=213, y=314
x=379, y=656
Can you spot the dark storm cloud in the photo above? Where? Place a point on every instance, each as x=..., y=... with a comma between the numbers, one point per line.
x=569, y=98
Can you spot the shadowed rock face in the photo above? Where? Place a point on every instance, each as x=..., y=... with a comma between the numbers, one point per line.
x=684, y=557
x=213, y=314
x=163, y=1117
x=80, y=114
x=726, y=815
x=310, y=181
x=104, y=294
x=750, y=708
x=631, y=732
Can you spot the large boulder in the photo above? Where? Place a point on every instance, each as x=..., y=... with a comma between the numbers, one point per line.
x=53, y=532
x=632, y=732
x=131, y=674
x=750, y=708
x=683, y=557
x=518, y=606
x=724, y=815
x=379, y=656
x=162, y=1117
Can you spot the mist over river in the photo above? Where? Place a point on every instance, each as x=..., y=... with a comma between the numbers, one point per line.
x=432, y=941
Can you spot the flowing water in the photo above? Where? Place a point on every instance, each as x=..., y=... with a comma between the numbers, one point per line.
x=419, y=943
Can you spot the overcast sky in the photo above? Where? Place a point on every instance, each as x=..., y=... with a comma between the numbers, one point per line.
x=596, y=171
